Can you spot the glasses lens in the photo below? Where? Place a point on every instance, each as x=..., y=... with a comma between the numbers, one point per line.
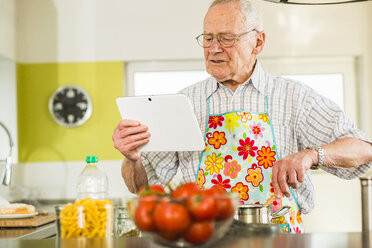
x=199, y=39
x=226, y=40
x=205, y=40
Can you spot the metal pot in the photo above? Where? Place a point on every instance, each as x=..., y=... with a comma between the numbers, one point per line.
x=259, y=213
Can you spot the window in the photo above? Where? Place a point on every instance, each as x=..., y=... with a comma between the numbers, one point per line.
x=150, y=78
x=165, y=82
x=329, y=85
x=333, y=77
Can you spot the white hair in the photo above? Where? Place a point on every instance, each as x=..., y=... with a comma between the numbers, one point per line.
x=252, y=17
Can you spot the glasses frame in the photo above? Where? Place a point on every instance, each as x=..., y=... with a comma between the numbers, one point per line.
x=219, y=39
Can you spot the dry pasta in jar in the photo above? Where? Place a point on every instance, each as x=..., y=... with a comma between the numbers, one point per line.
x=86, y=218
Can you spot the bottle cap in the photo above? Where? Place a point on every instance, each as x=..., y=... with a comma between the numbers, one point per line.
x=92, y=159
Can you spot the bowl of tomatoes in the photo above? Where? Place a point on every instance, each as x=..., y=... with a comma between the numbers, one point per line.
x=185, y=217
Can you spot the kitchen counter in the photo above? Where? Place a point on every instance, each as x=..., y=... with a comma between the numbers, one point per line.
x=313, y=240
x=41, y=232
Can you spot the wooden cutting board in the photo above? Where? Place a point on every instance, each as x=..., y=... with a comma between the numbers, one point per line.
x=35, y=221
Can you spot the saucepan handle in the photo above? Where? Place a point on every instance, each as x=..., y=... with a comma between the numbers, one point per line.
x=281, y=212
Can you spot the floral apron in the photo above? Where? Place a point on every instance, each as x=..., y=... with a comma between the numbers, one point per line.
x=239, y=155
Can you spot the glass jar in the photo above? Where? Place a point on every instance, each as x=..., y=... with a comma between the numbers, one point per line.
x=86, y=218
x=124, y=225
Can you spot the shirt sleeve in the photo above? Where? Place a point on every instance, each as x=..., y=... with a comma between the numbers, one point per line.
x=160, y=166
x=321, y=122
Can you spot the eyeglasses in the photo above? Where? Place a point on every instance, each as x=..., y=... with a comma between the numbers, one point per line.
x=225, y=39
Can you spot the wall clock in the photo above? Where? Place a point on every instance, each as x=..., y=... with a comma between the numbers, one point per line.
x=70, y=106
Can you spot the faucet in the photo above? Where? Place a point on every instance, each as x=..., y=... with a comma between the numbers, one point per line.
x=7, y=172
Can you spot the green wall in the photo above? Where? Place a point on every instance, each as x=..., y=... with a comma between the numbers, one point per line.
x=40, y=137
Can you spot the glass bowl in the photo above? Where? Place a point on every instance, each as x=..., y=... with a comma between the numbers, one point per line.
x=220, y=226
x=85, y=218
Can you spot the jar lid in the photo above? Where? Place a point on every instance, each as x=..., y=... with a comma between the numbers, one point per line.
x=92, y=159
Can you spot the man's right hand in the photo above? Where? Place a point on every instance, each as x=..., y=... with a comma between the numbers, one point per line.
x=128, y=135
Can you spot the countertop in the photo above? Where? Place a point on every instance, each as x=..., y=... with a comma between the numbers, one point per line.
x=313, y=240
x=40, y=232
x=44, y=236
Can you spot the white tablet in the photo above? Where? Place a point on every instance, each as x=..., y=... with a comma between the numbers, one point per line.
x=170, y=119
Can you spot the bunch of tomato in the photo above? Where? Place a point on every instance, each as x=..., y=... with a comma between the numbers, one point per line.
x=188, y=212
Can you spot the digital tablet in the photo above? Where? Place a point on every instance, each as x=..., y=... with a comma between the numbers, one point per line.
x=170, y=119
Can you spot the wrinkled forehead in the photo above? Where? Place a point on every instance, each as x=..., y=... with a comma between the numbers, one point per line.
x=223, y=18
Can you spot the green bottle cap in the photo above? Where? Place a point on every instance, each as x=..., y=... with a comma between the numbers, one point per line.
x=92, y=159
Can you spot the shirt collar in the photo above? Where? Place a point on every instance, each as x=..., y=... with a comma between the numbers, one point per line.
x=257, y=79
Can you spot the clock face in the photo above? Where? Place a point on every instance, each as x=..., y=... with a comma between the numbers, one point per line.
x=70, y=106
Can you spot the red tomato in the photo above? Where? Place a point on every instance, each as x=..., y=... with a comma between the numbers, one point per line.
x=170, y=236
x=185, y=191
x=199, y=232
x=219, y=190
x=225, y=205
x=226, y=208
x=153, y=189
x=171, y=217
x=143, y=216
x=203, y=206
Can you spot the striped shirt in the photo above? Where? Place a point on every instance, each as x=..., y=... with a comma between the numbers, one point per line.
x=300, y=118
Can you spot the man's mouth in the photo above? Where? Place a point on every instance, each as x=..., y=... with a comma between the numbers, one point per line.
x=217, y=61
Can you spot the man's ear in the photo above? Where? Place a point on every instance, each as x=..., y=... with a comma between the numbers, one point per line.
x=261, y=36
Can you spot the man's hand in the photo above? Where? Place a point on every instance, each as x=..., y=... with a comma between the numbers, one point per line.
x=128, y=135
x=290, y=171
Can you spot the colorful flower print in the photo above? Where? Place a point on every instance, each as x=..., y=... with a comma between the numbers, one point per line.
x=242, y=190
x=201, y=179
x=231, y=169
x=206, y=147
x=225, y=184
x=256, y=129
x=266, y=157
x=214, y=164
x=246, y=148
x=292, y=216
x=280, y=220
x=298, y=217
x=215, y=121
x=244, y=117
x=217, y=140
x=277, y=205
x=297, y=230
x=264, y=118
x=254, y=176
x=231, y=121
x=272, y=188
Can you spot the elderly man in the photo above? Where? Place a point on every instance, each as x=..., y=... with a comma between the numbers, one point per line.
x=263, y=133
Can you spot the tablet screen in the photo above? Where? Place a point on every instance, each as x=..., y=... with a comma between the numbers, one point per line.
x=170, y=119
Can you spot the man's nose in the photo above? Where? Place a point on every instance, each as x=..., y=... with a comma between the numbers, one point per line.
x=215, y=46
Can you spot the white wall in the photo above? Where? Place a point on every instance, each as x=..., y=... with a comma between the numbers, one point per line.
x=7, y=29
x=8, y=108
x=8, y=93
x=93, y=30
x=87, y=30
x=108, y=30
x=57, y=180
